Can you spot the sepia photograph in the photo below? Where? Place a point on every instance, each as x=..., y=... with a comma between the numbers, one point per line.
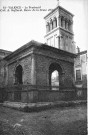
x=43, y=67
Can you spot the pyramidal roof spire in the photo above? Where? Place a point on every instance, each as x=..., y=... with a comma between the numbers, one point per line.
x=58, y=3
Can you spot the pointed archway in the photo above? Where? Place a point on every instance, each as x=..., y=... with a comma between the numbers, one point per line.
x=18, y=75
x=55, y=75
x=18, y=80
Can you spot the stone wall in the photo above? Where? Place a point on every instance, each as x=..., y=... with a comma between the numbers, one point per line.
x=80, y=63
x=33, y=96
x=2, y=72
x=26, y=74
x=43, y=63
x=35, y=63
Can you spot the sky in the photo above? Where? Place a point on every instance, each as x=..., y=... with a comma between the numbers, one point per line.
x=19, y=27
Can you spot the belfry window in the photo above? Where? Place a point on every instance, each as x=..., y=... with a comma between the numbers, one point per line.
x=51, y=24
x=55, y=22
x=47, y=27
x=61, y=22
x=65, y=24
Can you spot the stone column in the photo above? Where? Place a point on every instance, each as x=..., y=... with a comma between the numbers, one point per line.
x=47, y=28
x=63, y=22
x=33, y=70
x=67, y=24
x=59, y=21
x=54, y=23
x=58, y=42
x=71, y=26
x=51, y=25
x=61, y=42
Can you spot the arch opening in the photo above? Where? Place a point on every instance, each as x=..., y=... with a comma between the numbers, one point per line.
x=18, y=75
x=55, y=75
x=18, y=80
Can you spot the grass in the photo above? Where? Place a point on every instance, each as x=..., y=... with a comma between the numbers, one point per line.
x=56, y=121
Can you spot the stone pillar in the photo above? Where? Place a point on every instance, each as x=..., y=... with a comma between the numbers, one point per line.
x=67, y=24
x=63, y=22
x=59, y=21
x=47, y=28
x=51, y=25
x=58, y=42
x=54, y=23
x=61, y=42
x=33, y=70
x=71, y=26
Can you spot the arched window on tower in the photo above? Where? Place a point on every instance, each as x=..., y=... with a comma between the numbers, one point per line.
x=69, y=25
x=54, y=22
x=65, y=23
x=47, y=27
x=51, y=24
x=61, y=21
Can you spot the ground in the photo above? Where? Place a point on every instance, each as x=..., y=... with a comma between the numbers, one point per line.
x=55, y=121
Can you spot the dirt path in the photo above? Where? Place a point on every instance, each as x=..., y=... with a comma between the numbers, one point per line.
x=65, y=121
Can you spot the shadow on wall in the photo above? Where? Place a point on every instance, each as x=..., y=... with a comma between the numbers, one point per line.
x=69, y=82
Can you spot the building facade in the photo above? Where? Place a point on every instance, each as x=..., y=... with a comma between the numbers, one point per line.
x=80, y=69
x=59, y=29
x=33, y=66
x=34, y=63
x=44, y=72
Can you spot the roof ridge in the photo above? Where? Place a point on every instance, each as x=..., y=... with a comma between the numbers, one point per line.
x=25, y=46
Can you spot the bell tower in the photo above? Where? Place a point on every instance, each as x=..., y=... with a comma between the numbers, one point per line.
x=59, y=29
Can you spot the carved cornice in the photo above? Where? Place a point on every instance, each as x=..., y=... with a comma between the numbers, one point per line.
x=60, y=8
x=66, y=30
x=55, y=53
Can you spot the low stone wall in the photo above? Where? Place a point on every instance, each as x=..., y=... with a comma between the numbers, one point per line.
x=35, y=95
x=44, y=96
x=77, y=94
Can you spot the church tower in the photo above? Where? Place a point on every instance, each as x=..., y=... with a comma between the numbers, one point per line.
x=59, y=29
